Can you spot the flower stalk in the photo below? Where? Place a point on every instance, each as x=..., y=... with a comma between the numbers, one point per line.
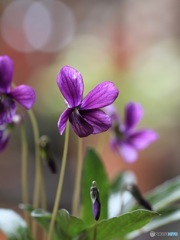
x=60, y=184
x=38, y=168
x=24, y=172
x=77, y=188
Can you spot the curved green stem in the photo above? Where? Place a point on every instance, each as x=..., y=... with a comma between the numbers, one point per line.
x=24, y=171
x=43, y=192
x=95, y=230
x=38, y=167
x=60, y=184
x=77, y=188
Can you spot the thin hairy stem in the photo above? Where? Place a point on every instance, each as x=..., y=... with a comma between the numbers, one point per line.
x=24, y=171
x=60, y=184
x=95, y=231
x=38, y=168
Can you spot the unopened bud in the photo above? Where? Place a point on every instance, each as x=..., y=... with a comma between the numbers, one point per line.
x=46, y=152
x=96, y=205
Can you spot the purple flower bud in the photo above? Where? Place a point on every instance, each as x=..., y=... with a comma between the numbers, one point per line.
x=46, y=152
x=96, y=205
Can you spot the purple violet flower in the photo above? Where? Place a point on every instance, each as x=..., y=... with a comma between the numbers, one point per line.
x=127, y=141
x=23, y=94
x=84, y=114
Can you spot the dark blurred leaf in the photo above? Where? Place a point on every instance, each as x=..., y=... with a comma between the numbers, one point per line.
x=120, y=226
x=165, y=194
x=13, y=225
x=93, y=170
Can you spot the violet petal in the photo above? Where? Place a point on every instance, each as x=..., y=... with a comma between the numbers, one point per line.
x=113, y=113
x=124, y=149
x=71, y=85
x=81, y=127
x=63, y=120
x=6, y=73
x=99, y=120
x=25, y=95
x=133, y=114
x=143, y=138
x=7, y=109
x=102, y=95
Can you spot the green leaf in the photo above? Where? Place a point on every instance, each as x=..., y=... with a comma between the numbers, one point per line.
x=165, y=194
x=93, y=170
x=171, y=214
x=13, y=225
x=120, y=226
x=66, y=226
x=69, y=225
x=43, y=217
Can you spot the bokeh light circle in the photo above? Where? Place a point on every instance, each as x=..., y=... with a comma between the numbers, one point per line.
x=37, y=25
x=46, y=26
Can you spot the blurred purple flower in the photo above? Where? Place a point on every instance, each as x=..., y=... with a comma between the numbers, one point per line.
x=23, y=94
x=84, y=114
x=4, y=137
x=6, y=130
x=127, y=141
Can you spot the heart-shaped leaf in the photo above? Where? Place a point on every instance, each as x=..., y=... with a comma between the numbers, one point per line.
x=120, y=226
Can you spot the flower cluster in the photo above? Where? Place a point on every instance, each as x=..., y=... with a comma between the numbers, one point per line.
x=86, y=118
x=22, y=94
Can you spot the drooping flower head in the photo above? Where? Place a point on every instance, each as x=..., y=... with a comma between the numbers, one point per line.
x=46, y=152
x=127, y=140
x=23, y=94
x=136, y=193
x=84, y=114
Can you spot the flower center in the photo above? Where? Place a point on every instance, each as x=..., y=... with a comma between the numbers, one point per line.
x=118, y=133
x=3, y=98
